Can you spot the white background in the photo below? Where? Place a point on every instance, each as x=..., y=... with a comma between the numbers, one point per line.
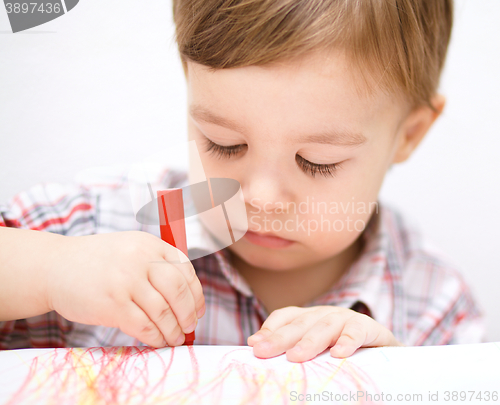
x=103, y=85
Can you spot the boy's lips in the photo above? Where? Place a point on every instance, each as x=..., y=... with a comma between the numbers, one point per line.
x=268, y=240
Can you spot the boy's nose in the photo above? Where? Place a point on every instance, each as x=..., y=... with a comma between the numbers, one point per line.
x=267, y=189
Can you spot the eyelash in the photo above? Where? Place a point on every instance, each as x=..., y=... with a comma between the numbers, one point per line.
x=326, y=170
x=223, y=151
x=314, y=168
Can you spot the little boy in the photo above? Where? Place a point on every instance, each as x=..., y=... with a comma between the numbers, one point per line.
x=306, y=103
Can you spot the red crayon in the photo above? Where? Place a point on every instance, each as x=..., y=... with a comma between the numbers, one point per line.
x=170, y=203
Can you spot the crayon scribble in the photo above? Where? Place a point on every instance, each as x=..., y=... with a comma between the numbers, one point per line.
x=143, y=375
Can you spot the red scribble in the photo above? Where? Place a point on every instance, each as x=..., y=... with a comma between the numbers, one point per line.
x=121, y=375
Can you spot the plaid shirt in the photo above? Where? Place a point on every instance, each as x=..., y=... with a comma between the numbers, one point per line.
x=398, y=279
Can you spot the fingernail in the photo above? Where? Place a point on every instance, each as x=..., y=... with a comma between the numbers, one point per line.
x=257, y=337
x=163, y=343
x=190, y=328
x=264, y=345
x=180, y=339
x=337, y=350
x=200, y=312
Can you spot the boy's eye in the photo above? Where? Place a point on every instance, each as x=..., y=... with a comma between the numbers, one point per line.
x=223, y=151
x=326, y=170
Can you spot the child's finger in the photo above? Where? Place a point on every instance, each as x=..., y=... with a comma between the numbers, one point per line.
x=258, y=336
x=134, y=322
x=277, y=319
x=187, y=270
x=160, y=312
x=172, y=285
x=189, y=273
x=354, y=335
x=285, y=337
x=278, y=341
x=322, y=334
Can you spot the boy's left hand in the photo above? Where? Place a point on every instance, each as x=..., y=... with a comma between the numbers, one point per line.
x=303, y=333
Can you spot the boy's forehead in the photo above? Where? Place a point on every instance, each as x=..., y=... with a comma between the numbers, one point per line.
x=321, y=85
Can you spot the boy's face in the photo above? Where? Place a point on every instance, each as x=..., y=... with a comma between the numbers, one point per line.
x=308, y=150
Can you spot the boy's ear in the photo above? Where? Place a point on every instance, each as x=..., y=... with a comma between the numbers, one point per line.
x=415, y=127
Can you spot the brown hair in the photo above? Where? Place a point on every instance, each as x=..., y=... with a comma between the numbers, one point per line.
x=400, y=44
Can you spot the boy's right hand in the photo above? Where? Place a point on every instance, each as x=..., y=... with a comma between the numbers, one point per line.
x=125, y=280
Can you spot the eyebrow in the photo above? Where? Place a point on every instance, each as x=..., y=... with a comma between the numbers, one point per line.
x=337, y=138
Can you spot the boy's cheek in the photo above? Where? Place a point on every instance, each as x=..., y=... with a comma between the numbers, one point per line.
x=327, y=235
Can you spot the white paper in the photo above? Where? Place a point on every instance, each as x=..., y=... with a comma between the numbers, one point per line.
x=233, y=375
